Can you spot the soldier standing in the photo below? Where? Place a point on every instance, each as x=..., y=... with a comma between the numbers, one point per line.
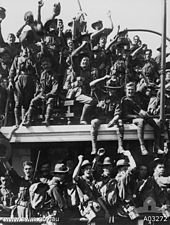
x=22, y=79
x=22, y=203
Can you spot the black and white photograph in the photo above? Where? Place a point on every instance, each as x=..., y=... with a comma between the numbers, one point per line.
x=85, y=112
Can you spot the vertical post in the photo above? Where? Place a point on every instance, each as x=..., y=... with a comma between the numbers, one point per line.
x=163, y=65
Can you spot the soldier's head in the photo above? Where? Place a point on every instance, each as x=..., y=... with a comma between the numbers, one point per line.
x=45, y=169
x=46, y=62
x=60, y=171
x=130, y=89
x=122, y=165
x=70, y=43
x=142, y=171
x=28, y=17
x=28, y=168
x=148, y=54
x=136, y=40
x=5, y=56
x=107, y=166
x=158, y=167
x=11, y=38
x=86, y=168
x=102, y=41
x=85, y=62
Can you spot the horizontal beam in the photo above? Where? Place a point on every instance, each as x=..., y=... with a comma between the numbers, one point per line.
x=72, y=133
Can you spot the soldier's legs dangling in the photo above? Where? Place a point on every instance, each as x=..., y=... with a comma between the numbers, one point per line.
x=95, y=124
x=157, y=135
x=32, y=108
x=120, y=135
x=49, y=109
x=140, y=132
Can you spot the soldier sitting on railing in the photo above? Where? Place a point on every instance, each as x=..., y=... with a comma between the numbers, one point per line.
x=132, y=112
x=77, y=82
x=108, y=102
x=46, y=93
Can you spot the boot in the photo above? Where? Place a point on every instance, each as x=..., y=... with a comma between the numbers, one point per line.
x=94, y=142
x=23, y=114
x=157, y=136
x=140, y=132
x=120, y=132
x=46, y=122
x=143, y=150
x=17, y=117
x=27, y=121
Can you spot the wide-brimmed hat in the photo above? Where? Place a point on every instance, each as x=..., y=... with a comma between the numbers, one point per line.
x=86, y=162
x=122, y=162
x=156, y=161
x=60, y=168
x=83, y=35
x=106, y=161
x=49, y=22
x=97, y=23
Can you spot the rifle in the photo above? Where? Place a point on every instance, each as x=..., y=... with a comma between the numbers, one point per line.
x=36, y=165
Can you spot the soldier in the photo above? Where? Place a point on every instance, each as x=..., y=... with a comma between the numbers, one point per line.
x=78, y=88
x=157, y=187
x=22, y=79
x=107, y=108
x=150, y=68
x=58, y=192
x=46, y=93
x=7, y=197
x=131, y=111
x=107, y=186
x=125, y=168
x=22, y=203
x=90, y=200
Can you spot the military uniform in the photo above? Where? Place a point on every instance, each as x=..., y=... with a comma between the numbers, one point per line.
x=131, y=108
x=23, y=201
x=46, y=94
x=7, y=200
x=23, y=77
x=79, y=89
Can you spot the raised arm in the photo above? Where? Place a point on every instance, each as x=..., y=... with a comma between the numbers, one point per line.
x=132, y=162
x=96, y=81
x=77, y=50
x=40, y=5
x=2, y=42
x=77, y=169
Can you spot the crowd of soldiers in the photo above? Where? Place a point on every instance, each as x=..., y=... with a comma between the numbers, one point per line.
x=116, y=82
x=93, y=189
